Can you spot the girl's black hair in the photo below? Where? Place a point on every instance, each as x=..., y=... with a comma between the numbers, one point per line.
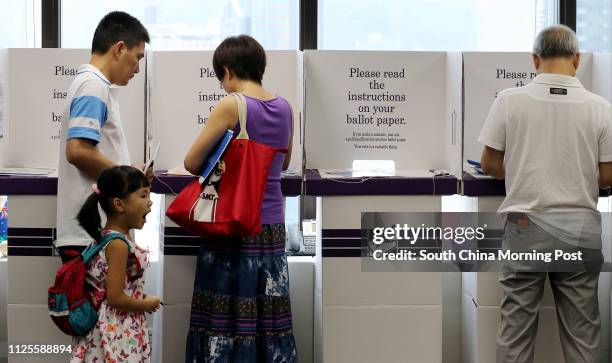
x=115, y=182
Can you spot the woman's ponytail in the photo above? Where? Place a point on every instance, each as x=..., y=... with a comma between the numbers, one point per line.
x=89, y=217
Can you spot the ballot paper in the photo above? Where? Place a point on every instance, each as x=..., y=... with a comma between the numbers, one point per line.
x=151, y=160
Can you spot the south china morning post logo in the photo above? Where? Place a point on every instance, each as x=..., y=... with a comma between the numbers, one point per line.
x=459, y=235
x=463, y=241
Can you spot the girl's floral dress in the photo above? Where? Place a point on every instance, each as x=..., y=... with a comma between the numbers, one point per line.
x=118, y=336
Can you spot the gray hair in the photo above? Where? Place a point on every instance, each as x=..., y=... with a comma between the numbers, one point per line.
x=555, y=41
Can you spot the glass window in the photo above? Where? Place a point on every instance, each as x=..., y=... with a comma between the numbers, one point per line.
x=20, y=24
x=442, y=25
x=594, y=25
x=189, y=24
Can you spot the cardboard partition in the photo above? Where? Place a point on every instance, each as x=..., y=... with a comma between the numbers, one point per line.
x=35, y=86
x=184, y=90
x=366, y=105
x=487, y=73
x=602, y=75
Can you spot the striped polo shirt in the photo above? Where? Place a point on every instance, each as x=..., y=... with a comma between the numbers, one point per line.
x=91, y=112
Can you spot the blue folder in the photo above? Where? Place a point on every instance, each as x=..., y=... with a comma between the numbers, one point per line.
x=212, y=159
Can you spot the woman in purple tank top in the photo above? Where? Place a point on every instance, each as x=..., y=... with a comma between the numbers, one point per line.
x=240, y=310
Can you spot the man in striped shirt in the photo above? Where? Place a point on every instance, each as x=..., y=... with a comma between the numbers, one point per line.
x=92, y=131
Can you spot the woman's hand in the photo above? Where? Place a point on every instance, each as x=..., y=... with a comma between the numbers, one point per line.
x=152, y=303
x=224, y=117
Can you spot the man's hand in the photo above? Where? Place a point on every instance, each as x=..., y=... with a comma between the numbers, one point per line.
x=492, y=162
x=148, y=173
x=605, y=175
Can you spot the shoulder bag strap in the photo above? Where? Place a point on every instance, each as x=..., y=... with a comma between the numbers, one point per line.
x=95, y=248
x=242, y=115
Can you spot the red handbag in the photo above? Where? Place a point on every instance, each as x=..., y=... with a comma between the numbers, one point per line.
x=228, y=204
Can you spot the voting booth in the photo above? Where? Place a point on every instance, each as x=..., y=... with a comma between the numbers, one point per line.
x=183, y=90
x=485, y=74
x=380, y=129
x=34, y=84
x=372, y=132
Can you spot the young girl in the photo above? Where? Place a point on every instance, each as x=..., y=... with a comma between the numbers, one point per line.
x=116, y=273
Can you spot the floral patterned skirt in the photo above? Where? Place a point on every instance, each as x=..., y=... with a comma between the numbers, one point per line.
x=118, y=337
x=240, y=310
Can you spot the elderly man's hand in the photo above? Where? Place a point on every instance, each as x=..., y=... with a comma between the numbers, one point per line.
x=492, y=162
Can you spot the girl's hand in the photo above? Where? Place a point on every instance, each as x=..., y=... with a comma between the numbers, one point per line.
x=152, y=303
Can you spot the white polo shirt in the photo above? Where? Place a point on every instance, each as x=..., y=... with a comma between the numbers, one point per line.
x=91, y=112
x=554, y=134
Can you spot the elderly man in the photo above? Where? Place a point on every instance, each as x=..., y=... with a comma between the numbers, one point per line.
x=552, y=142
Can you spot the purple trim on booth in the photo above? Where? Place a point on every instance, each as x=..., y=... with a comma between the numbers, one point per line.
x=347, y=242
x=181, y=251
x=176, y=231
x=341, y=242
x=30, y=241
x=178, y=242
x=334, y=233
x=342, y=252
x=356, y=243
x=28, y=185
x=182, y=241
x=30, y=251
x=356, y=252
x=335, y=242
x=475, y=187
x=316, y=185
x=291, y=186
x=31, y=232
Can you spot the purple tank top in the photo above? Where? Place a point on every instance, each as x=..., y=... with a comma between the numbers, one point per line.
x=269, y=122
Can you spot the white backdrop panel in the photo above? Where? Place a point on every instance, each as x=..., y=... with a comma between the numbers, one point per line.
x=485, y=74
x=37, y=82
x=602, y=75
x=375, y=105
x=184, y=91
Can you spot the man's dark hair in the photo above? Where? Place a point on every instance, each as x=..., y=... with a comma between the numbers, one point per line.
x=243, y=55
x=117, y=26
